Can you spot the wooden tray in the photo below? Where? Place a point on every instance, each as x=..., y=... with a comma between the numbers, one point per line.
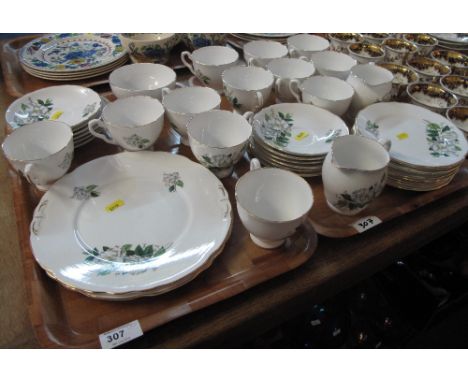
x=18, y=82
x=63, y=318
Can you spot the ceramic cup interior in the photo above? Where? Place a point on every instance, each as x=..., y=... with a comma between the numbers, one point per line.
x=36, y=141
x=265, y=49
x=215, y=55
x=291, y=68
x=308, y=43
x=133, y=111
x=144, y=76
x=334, y=61
x=219, y=129
x=148, y=37
x=248, y=78
x=191, y=100
x=329, y=88
x=356, y=152
x=372, y=74
x=274, y=195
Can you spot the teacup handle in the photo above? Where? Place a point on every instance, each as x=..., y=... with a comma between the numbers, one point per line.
x=165, y=91
x=248, y=115
x=29, y=174
x=294, y=89
x=252, y=61
x=278, y=85
x=386, y=143
x=260, y=100
x=187, y=55
x=92, y=129
x=255, y=164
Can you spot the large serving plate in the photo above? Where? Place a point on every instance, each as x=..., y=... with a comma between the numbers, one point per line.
x=419, y=137
x=71, y=104
x=131, y=222
x=71, y=52
x=298, y=129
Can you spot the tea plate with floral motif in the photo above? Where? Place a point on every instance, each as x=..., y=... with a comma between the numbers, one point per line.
x=71, y=52
x=71, y=104
x=131, y=222
x=298, y=129
x=419, y=136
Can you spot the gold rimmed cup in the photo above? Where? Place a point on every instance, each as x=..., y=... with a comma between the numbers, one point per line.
x=428, y=70
x=339, y=42
x=457, y=85
x=402, y=76
x=423, y=41
x=458, y=115
x=431, y=96
x=456, y=60
x=398, y=50
x=365, y=53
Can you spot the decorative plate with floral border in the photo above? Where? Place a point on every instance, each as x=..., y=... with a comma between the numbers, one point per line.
x=71, y=104
x=134, y=221
x=71, y=52
x=419, y=136
x=298, y=129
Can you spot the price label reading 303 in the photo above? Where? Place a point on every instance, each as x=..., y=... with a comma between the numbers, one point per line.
x=120, y=335
x=366, y=223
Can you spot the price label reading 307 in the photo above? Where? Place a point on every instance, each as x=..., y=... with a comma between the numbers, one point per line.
x=366, y=223
x=120, y=335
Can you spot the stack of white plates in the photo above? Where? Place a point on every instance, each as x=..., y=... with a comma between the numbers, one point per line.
x=295, y=137
x=131, y=225
x=71, y=104
x=72, y=56
x=453, y=41
x=427, y=149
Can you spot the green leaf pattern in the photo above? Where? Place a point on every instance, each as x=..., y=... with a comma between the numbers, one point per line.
x=232, y=99
x=172, y=181
x=205, y=79
x=276, y=127
x=136, y=141
x=442, y=140
x=85, y=192
x=372, y=128
x=331, y=135
x=33, y=111
x=215, y=162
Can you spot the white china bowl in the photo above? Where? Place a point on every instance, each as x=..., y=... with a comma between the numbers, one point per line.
x=328, y=93
x=142, y=79
x=261, y=52
x=333, y=64
x=183, y=103
x=272, y=203
x=304, y=45
x=218, y=139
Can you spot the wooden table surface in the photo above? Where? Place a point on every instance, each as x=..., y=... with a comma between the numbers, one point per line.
x=336, y=265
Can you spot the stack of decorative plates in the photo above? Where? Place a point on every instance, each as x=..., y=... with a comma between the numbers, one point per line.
x=427, y=149
x=71, y=104
x=131, y=225
x=72, y=56
x=453, y=41
x=295, y=137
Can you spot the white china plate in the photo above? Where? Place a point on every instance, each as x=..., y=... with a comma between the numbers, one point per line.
x=419, y=136
x=134, y=221
x=298, y=129
x=71, y=104
x=71, y=52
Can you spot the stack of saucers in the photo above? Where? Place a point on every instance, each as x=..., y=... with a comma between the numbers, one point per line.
x=295, y=137
x=427, y=149
x=71, y=104
x=72, y=56
x=280, y=37
x=454, y=41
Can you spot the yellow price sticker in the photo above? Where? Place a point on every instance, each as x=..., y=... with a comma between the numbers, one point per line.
x=56, y=115
x=402, y=136
x=301, y=135
x=114, y=205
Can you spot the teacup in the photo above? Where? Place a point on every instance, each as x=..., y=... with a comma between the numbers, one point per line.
x=366, y=53
x=209, y=63
x=182, y=104
x=402, y=76
x=339, y=42
x=456, y=60
x=261, y=52
x=133, y=123
x=375, y=38
x=304, y=45
x=329, y=93
x=424, y=42
x=428, y=70
x=286, y=70
x=398, y=51
x=142, y=79
x=354, y=173
x=41, y=151
x=431, y=96
x=218, y=139
x=371, y=84
x=149, y=47
x=333, y=64
x=457, y=85
x=272, y=203
x=247, y=87
x=200, y=40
